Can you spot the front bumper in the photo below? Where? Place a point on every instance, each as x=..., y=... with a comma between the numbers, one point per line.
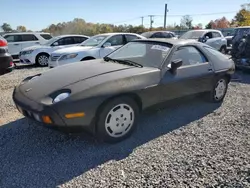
x=27, y=59
x=36, y=111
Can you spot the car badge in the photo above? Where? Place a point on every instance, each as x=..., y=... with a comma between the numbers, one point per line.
x=27, y=90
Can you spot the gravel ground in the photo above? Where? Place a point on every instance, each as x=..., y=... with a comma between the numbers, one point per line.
x=190, y=144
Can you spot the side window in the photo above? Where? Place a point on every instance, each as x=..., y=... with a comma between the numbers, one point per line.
x=79, y=40
x=116, y=40
x=189, y=55
x=216, y=35
x=13, y=38
x=166, y=35
x=65, y=41
x=28, y=37
x=157, y=35
x=131, y=37
x=209, y=35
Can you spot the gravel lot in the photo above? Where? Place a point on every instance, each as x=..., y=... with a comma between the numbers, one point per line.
x=190, y=144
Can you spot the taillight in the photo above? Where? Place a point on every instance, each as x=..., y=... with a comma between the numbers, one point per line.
x=3, y=43
x=11, y=63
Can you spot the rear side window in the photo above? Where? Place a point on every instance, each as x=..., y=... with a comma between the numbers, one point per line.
x=189, y=56
x=157, y=35
x=131, y=37
x=46, y=36
x=216, y=53
x=79, y=39
x=216, y=35
x=166, y=35
x=13, y=38
x=28, y=37
x=66, y=41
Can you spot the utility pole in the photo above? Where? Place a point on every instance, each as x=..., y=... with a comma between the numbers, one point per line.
x=165, y=15
x=142, y=20
x=151, y=21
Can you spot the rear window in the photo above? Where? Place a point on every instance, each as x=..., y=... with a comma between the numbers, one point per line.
x=46, y=36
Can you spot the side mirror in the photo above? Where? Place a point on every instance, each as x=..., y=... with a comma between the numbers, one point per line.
x=55, y=44
x=106, y=44
x=175, y=65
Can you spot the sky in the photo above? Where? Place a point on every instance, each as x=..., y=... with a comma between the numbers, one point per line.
x=39, y=14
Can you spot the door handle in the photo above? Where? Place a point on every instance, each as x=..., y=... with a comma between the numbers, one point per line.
x=210, y=70
x=16, y=44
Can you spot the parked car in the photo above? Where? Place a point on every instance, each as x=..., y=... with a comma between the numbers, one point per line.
x=105, y=96
x=6, y=61
x=40, y=54
x=95, y=47
x=159, y=34
x=213, y=38
x=18, y=41
x=238, y=35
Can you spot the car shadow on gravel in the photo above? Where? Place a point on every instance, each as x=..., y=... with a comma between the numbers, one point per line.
x=34, y=156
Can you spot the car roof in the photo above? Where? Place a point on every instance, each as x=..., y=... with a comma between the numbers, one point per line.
x=21, y=33
x=110, y=34
x=71, y=36
x=206, y=30
x=174, y=42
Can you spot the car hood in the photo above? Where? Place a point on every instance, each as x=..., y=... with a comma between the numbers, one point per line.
x=36, y=47
x=66, y=75
x=73, y=49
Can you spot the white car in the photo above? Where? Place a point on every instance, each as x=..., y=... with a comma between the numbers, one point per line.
x=40, y=54
x=211, y=37
x=19, y=41
x=95, y=47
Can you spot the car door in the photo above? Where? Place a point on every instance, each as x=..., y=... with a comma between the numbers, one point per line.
x=14, y=44
x=29, y=40
x=210, y=40
x=220, y=40
x=63, y=43
x=194, y=76
x=116, y=42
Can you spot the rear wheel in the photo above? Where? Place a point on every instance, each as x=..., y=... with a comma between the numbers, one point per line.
x=117, y=119
x=219, y=90
x=42, y=59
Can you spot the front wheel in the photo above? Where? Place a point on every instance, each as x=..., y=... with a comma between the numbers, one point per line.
x=117, y=119
x=42, y=60
x=219, y=90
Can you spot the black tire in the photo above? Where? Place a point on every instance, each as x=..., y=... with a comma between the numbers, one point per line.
x=103, y=131
x=212, y=94
x=42, y=56
x=223, y=49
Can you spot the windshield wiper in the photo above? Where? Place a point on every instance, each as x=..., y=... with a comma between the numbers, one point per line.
x=123, y=61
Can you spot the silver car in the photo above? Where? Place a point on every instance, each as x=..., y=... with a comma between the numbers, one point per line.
x=213, y=38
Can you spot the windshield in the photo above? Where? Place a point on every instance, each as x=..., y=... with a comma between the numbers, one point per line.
x=192, y=35
x=51, y=41
x=94, y=41
x=147, y=54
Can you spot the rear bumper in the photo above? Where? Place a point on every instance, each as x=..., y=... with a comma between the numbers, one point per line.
x=5, y=63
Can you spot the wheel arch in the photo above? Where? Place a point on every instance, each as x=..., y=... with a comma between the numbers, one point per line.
x=87, y=58
x=131, y=95
x=41, y=53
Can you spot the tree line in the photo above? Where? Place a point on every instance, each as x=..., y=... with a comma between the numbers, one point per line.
x=80, y=26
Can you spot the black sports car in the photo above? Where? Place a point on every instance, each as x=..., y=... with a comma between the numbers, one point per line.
x=107, y=95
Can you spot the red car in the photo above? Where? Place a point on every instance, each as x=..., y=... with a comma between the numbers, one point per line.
x=6, y=61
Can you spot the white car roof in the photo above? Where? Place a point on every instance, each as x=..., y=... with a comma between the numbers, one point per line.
x=21, y=33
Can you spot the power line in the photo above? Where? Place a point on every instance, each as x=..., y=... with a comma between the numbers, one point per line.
x=204, y=14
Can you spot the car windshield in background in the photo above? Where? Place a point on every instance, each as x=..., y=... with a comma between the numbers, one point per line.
x=147, y=54
x=94, y=41
x=46, y=36
x=192, y=35
x=51, y=41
